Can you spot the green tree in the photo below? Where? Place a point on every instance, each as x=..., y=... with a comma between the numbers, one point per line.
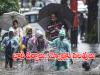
x=8, y=6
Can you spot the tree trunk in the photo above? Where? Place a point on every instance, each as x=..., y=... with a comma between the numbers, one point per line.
x=92, y=21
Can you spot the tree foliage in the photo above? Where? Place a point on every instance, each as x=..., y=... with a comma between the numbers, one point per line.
x=8, y=6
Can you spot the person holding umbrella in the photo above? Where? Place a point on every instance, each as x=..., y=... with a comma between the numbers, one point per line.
x=18, y=32
x=10, y=44
x=53, y=27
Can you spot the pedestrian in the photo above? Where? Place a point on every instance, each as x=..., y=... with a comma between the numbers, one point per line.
x=18, y=32
x=41, y=42
x=82, y=25
x=38, y=42
x=74, y=37
x=62, y=45
x=25, y=40
x=17, y=29
x=10, y=45
x=53, y=27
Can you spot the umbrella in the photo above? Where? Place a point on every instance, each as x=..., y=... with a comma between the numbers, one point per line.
x=35, y=27
x=62, y=11
x=8, y=18
x=44, y=22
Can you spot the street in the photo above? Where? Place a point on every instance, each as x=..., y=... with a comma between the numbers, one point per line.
x=75, y=69
x=43, y=26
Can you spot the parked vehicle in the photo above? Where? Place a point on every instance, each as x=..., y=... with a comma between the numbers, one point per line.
x=31, y=16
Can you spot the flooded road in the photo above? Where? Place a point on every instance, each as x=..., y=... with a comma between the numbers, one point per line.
x=75, y=69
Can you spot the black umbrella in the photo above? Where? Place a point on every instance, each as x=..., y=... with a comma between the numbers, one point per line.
x=63, y=12
x=44, y=22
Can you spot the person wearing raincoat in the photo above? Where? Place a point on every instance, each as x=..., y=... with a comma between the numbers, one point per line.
x=27, y=36
x=24, y=42
x=62, y=45
x=10, y=45
x=37, y=43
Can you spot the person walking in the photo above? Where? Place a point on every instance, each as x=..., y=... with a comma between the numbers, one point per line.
x=25, y=39
x=53, y=27
x=37, y=43
x=62, y=45
x=82, y=25
x=10, y=45
x=18, y=32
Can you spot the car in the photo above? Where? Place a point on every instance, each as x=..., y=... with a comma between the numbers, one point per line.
x=31, y=16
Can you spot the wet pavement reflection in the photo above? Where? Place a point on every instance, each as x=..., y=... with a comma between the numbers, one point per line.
x=75, y=69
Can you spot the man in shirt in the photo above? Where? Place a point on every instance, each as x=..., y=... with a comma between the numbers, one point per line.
x=53, y=28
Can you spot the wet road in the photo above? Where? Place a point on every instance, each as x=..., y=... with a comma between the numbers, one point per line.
x=85, y=47
x=75, y=69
